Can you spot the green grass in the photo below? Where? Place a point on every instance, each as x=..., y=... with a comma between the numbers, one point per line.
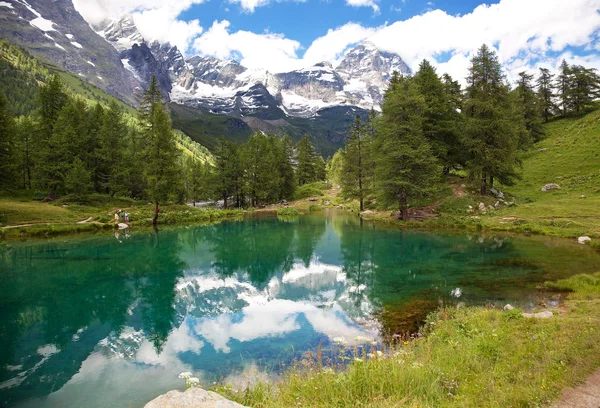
x=469, y=357
x=36, y=218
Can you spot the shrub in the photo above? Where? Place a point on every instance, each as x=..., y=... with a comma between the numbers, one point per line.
x=287, y=212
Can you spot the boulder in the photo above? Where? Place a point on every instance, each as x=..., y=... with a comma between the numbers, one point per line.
x=540, y=315
x=497, y=193
x=122, y=225
x=313, y=199
x=582, y=196
x=508, y=307
x=327, y=202
x=482, y=207
x=584, y=239
x=551, y=186
x=367, y=212
x=192, y=398
x=544, y=149
x=497, y=205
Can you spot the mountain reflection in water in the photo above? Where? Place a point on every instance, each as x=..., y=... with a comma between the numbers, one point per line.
x=105, y=322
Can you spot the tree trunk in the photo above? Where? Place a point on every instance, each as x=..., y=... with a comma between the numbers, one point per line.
x=483, y=189
x=225, y=201
x=491, y=181
x=156, y=211
x=403, y=207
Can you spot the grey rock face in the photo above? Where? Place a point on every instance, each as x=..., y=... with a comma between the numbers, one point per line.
x=54, y=30
x=192, y=398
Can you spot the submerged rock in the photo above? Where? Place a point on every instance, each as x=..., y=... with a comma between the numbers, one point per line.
x=192, y=398
x=123, y=226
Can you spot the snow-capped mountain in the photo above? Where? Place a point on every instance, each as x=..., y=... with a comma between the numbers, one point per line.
x=226, y=87
x=55, y=31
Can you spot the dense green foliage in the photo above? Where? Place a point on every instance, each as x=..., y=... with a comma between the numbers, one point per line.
x=482, y=131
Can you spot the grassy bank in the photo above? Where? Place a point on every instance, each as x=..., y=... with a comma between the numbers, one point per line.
x=20, y=216
x=469, y=357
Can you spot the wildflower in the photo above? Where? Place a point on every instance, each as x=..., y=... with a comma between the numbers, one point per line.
x=379, y=353
x=362, y=339
x=339, y=340
x=185, y=374
x=406, y=343
x=193, y=381
x=373, y=343
x=358, y=360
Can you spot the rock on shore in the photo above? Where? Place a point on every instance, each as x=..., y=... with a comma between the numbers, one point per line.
x=192, y=398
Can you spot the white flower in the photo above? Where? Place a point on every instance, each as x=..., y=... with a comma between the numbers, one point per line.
x=379, y=353
x=339, y=340
x=358, y=360
x=185, y=374
x=362, y=339
x=193, y=381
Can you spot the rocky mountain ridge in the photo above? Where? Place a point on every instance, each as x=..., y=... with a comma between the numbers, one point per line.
x=227, y=87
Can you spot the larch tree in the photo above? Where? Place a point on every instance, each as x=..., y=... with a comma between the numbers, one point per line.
x=112, y=171
x=162, y=169
x=563, y=86
x=406, y=165
x=440, y=115
x=305, y=170
x=530, y=110
x=356, y=175
x=491, y=134
x=546, y=94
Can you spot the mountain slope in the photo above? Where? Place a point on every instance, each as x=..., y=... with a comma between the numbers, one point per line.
x=21, y=74
x=55, y=31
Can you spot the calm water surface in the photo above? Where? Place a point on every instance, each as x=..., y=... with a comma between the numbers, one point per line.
x=109, y=321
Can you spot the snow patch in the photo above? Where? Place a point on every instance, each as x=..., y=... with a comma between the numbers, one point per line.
x=5, y=4
x=39, y=22
x=76, y=44
x=91, y=63
x=69, y=36
x=59, y=46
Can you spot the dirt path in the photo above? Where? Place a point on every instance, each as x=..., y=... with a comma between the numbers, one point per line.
x=584, y=396
x=25, y=225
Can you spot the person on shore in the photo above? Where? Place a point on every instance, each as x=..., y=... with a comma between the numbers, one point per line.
x=117, y=217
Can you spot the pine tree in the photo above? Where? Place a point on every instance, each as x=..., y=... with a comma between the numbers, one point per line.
x=78, y=179
x=320, y=168
x=545, y=93
x=7, y=142
x=563, y=86
x=262, y=175
x=305, y=170
x=406, y=165
x=112, y=171
x=95, y=120
x=491, y=136
x=163, y=173
x=529, y=109
x=356, y=174
x=440, y=114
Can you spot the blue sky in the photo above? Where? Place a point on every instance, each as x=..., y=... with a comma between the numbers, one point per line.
x=282, y=35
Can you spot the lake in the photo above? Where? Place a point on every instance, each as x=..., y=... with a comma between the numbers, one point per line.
x=111, y=320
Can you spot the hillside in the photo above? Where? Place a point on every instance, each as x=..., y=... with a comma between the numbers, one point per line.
x=570, y=157
x=21, y=73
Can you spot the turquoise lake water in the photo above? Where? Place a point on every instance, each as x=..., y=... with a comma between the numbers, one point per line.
x=110, y=321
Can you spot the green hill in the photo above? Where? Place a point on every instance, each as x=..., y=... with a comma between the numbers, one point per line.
x=570, y=157
x=21, y=74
